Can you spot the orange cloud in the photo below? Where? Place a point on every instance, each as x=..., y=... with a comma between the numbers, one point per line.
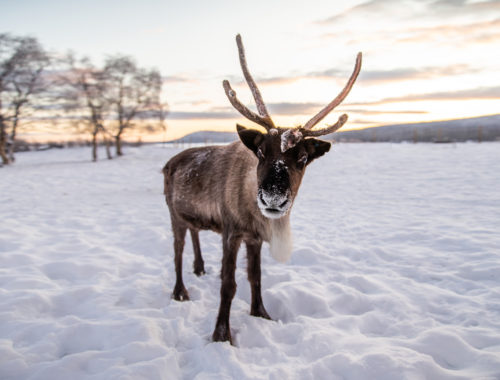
x=477, y=32
x=475, y=93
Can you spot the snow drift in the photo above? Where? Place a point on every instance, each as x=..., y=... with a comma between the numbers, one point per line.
x=399, y=277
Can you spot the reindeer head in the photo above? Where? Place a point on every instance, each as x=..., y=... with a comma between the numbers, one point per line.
x=283, y=153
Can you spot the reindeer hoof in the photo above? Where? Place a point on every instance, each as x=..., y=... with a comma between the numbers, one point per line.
x=199, y=272
x=222, y=333
x=260, y=312
x=180, y=294
x=199, y=268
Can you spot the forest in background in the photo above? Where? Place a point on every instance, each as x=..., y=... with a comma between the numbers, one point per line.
x=68, y=91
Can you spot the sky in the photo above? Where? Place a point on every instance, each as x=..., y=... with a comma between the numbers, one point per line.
x=423, y=60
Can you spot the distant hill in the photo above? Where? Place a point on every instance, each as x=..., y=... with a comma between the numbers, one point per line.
x=484, y=128
x=207, y=137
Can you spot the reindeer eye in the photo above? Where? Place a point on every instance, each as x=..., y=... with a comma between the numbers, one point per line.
x=302, y=159
x=260, y=155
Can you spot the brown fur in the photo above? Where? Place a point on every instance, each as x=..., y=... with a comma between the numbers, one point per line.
x=216, y=188
x=208, y=189
x=245, y=192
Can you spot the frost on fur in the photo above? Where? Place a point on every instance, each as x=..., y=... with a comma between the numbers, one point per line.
x=289, y=139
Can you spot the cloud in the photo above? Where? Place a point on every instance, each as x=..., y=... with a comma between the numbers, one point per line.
x=375, y=76
x=472, y=32
x=289, y=108
x=268, y=81
x=399, y=74
x=374, y=9
x=195, y=103
x=365, y=121
x=392, y=22
x=284, y=108
x=404, y=10
x=383, y=112
x=278, y=80
x=181, y=115
x=176, y=79
x=475, y=93
x=464, y=6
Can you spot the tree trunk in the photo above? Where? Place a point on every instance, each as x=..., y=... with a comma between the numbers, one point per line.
x=107, y=143
x=3, y=154
x=118, y=144
x=12, y=146
x=94, y=146
x=3, y=143
x=3, y=135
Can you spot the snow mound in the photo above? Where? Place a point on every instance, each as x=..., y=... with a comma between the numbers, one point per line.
x=394, y=274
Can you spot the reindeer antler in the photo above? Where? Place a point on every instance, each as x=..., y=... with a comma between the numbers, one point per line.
x=263, y=117
x=325, y=131
x=306, y=129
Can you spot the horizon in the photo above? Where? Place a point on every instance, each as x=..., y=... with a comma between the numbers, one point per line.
x=422, y=60
x=160, y=137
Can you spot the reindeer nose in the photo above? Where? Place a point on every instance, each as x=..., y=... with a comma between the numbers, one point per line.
x=272, y=204
x=274, y=200
x=262, y=199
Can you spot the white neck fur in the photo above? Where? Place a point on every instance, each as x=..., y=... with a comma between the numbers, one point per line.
x=281, y=239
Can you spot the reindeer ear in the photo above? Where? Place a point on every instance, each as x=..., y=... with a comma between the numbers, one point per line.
x=315, y=148
x=250, y=137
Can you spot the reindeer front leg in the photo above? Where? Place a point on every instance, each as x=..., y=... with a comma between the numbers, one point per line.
x=230, y=246
x=253, y=258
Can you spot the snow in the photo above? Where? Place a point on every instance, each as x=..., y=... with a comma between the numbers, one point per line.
x=289, y=139
x=395, y=272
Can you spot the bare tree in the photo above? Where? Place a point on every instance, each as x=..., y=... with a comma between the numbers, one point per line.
x=107, y=100
x=134, y=94
x=22, y=64
x=7, y=48
x=84, y=91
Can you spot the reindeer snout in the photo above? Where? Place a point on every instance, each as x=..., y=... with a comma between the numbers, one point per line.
x=274, y=196
x=273, y=200
x=273, y=204
x=261, y=197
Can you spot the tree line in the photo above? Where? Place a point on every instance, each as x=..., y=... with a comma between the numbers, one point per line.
x=103, y=101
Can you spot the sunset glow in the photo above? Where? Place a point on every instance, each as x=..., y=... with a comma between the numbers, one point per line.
x=422, y=60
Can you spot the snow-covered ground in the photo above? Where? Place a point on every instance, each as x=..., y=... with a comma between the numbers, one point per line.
x=395, y=272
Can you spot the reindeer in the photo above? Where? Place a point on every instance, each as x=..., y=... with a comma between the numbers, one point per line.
x=244, y=191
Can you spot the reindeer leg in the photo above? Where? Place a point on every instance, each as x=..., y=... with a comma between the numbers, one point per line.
x=180, y=292
x=230, y=247
x=253, y=259
x=198, y=264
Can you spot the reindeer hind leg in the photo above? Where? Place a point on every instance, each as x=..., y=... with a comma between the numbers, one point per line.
x=180, y=292
x=198, y=263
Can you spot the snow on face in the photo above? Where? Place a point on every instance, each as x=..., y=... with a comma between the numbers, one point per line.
x=274, y=196
x=289, y=139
